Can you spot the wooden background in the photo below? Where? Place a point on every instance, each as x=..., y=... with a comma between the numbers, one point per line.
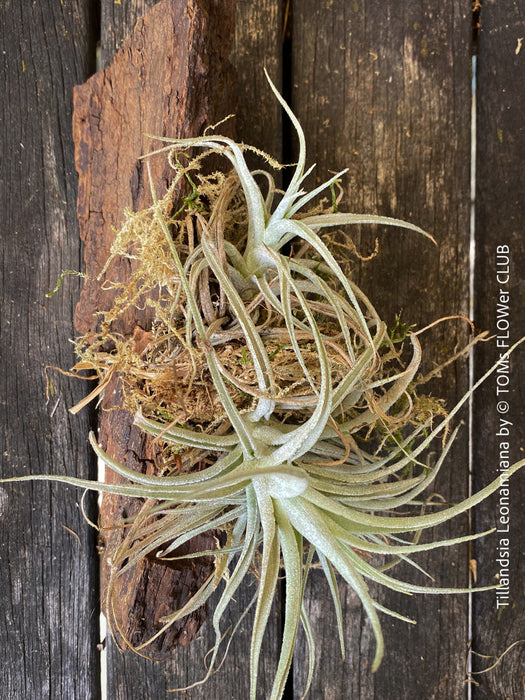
x=384, y=88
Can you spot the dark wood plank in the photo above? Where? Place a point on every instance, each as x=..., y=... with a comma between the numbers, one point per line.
x=258, y=45
x=48, y=566
x=384, y=88
x=500, y=216
x=117, y=20
x=258, y=122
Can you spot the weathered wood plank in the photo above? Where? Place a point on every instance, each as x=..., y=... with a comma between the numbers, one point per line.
x=384, y=89
x=499, y=283
x=48, y=563
x=258, y=122
x=258, y=45
x=166, y=80
x=117, y=20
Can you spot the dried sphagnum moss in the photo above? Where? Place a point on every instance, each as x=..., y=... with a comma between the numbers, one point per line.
x=163, y=370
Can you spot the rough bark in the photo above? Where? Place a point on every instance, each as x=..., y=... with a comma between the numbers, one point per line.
x=170, y=78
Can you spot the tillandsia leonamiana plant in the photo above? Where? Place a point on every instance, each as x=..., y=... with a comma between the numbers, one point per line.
x=268, y=367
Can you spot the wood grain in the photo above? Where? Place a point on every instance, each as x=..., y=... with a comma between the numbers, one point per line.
x=384, y=89
x=258, y=45
x=48, y=564
x=500, y=282
x=117, y=20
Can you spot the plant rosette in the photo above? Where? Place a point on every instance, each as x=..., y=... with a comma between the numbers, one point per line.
x=270, y=369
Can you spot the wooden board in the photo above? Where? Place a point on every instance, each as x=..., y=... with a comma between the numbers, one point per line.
x=258, y=122
x=499, y=621
x=48, y=561
x=171, y=77
x=384, y=89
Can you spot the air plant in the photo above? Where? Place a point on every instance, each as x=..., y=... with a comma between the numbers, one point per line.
x=289, y=392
